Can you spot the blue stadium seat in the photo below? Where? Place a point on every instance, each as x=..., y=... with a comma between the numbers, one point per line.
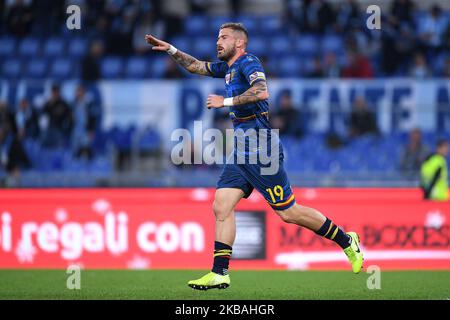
x=379, y=163
x=62, y=69
x=307, y=65
x=56, y=159
x=77, y=47
x=251, y=23
x=29, y=47
x=323, y=163
x=31, y=146
x=100, y=165
x=258, y=46
x=50, y=160
x=157, y=67
x=11, y=68
x=136, y=67
x=270, y=24
x=149, y=140
x=439, y=63
x=7, y=46
x=196, y=25
x=290, y=66
x=332, y=43
x=350, y=161
x=271, y=66
x=36, y=68
x=280, y=44
x=182, y=42
x=122, y=138
x=204, y=47
x=54, y=47
x=75, y=165
x=100, y=143
x=307, y=45
x=111, y=67
x=215, y=23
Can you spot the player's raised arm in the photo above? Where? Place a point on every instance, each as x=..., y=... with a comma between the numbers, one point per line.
x=188, y=62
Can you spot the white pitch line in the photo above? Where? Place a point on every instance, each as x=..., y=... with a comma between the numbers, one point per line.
x=302, y=258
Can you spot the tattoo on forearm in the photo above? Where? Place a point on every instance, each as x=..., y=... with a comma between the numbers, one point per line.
x=190, y=63
x=255, y=93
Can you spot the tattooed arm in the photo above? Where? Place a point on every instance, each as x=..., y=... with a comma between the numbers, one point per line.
x=257, y=92
x=188, y=62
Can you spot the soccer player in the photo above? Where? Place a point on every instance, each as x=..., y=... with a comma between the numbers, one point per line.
x=247, y=97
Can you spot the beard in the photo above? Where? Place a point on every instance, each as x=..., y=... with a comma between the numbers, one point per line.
x=226, y=55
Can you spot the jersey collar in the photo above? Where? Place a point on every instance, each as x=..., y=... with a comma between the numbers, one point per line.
x=238, y=57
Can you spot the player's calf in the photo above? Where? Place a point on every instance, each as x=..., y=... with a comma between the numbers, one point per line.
x=315, y=221
x=322, y=226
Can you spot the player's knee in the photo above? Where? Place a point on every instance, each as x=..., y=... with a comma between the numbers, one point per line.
x=287, y=215
x=221, y=210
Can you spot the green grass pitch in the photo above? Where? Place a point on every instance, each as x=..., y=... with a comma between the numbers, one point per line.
x=271, y=285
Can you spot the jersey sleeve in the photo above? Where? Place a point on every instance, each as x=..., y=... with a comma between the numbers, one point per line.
x=217, y=69
x=252, y=70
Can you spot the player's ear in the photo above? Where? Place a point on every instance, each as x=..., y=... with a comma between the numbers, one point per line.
x=240, y=43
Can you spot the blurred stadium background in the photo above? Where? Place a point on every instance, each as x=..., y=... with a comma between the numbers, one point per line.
x=323, y=62
x=95, y=108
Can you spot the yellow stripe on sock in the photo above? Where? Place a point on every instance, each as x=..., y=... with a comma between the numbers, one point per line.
x=329, y=229
x=334, y=233
x=223, y=250
x=222, y=254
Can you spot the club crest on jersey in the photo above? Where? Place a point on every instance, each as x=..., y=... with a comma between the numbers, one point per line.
x=229, y=77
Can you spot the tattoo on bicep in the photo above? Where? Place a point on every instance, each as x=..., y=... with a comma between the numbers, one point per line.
x=252, y=95
x=190, y=63
x=199, y=67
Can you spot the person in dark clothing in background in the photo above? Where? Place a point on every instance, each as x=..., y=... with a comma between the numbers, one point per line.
x=59, y=120
x=431, y=30
x=5, y=116
x=120, y=41
x=287, y=119
x=85, y=124
x=12, y=155
x=402, y=12
x=316, y=70
x=19, y=18
x=199, y=6
x=318, y=16
x=362, y=120
x=414, y=153
x=347, y=15
x=91, y=62
x=26, y=121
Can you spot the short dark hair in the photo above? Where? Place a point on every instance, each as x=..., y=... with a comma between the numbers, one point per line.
x=436, y=9
x=441, y=143
x=56, y=87
x=235, y=26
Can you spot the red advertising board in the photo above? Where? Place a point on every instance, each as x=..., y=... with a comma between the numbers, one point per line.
x=174, y=228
